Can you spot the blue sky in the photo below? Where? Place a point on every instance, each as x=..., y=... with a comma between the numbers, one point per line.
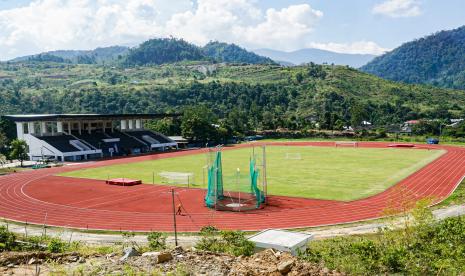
x=358, y=26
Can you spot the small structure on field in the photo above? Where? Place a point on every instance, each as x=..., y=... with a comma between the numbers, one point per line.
x=123, y=182
x=281, y=240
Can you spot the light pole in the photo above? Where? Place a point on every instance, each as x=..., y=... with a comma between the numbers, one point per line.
x=174, y=219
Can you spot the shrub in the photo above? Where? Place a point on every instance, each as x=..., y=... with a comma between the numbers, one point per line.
x=232, y=242
x=7, y=239
x=157, y=241
x=236, y=243
x=56, y=245
x=424, y=247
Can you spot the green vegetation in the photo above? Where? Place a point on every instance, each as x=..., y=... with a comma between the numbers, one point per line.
x=457, y=197
x=12, y=242
x=156, y=241
x=169, y=50
x=7, y=239
x=423, y=247
x=166, y=50
x=322, y=172
x=232, y=53
x=19, y=150
x=102, y=55
x=250, y=97
x=232, y=242
x=436, y=59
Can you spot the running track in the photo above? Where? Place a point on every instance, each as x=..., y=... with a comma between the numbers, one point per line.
x=39, y=197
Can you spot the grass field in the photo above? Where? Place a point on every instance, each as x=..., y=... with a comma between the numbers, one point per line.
x=322, y=172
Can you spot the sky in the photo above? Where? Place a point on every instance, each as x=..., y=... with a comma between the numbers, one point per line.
x=345, y=26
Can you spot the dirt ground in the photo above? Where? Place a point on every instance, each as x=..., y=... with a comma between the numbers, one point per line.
x=175, y=262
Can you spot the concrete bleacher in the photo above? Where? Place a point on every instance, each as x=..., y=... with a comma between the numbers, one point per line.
x=156, y=136
x=127, y=142
x=152, y=138
x=60, y=142
x=73, y=137
x=94, y=139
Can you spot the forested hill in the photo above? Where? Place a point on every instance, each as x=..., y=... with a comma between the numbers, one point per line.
x=152, y=52
x=438, y=59
x=232, y=53
x=245, y=96
x=99, y=55
x=169, y=50
x=164, y=50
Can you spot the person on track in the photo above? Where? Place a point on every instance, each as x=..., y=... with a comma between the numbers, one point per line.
x=179, y=210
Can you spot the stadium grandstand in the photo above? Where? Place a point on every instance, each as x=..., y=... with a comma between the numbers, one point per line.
x=73, y=137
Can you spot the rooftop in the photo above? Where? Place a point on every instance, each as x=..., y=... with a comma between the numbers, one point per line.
x=67, y=117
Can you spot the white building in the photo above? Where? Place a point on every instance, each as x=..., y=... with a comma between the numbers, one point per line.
x=82, y=136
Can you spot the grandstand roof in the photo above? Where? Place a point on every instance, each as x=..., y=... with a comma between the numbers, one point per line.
x=66, y=117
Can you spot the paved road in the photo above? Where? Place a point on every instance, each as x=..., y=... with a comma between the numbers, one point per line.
x=190, y=240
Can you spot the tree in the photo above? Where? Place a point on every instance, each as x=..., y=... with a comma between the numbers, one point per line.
x=2, y=160
x=299, y=77
x=3, y=142
x=18, y=150
x=358, y=113
x=166, y=126
x=238, y=121
x=198, y=124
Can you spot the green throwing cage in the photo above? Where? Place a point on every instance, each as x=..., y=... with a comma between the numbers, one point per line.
x=245, y=194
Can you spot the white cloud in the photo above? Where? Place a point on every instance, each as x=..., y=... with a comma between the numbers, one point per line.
x=359, y=47
x=285, y=28
x=242, y=22
x=82, y=24
x=398, y=8
x=45, y=25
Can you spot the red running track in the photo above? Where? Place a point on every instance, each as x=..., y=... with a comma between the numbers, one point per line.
x=41, y=197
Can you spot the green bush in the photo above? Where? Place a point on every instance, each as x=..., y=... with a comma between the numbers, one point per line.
x=157, y=241
x=7, y=239
x=56, y=245
x=232, y=242
x=236, y=243
x=424, y=247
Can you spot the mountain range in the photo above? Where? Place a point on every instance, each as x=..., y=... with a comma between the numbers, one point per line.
x=316, y=56
x=152, y=52
x=165, y=50
x=98, y=55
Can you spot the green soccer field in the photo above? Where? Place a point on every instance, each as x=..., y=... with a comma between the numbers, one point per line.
x=321, y=172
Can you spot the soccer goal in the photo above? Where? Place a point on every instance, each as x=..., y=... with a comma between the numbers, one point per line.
x=293, y=156
x=173, y=178
x=353, y=144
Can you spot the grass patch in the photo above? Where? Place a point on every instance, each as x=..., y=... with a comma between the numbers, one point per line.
x=322, y=172
x=457, y=197
x=4, y=171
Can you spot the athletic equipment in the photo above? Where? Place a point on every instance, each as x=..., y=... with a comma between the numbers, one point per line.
x=177, y=177
x=293, y=156
x=245, y=194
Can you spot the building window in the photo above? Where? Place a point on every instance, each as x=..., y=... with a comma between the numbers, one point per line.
x=25, y=128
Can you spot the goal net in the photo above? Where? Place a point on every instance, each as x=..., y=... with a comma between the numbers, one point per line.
x=293, y=156
x=177, y=177
x=346, y=144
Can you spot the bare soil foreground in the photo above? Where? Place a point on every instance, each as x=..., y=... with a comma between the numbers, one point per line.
x=177, y=262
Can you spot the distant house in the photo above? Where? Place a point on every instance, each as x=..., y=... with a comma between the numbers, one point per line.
x=365, y=125
x=408, y=125
x=412, y=122
x=455, y=122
